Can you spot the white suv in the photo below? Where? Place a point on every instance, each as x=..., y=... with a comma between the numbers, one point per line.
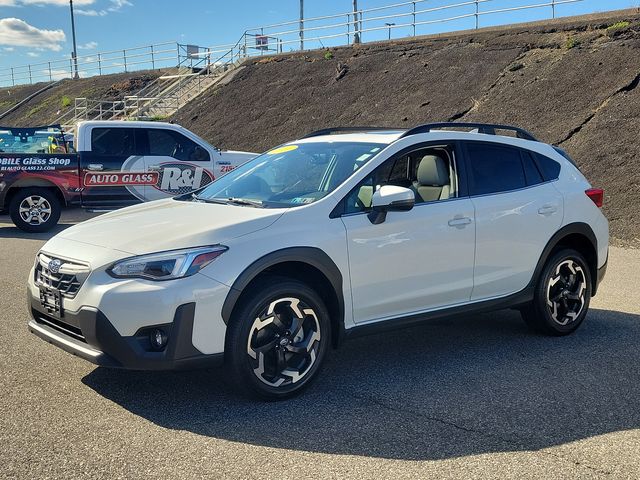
x=344, y=232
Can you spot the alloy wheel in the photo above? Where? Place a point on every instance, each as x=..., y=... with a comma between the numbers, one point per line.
x=566, y=292
x=284, y=341
x=35, y=210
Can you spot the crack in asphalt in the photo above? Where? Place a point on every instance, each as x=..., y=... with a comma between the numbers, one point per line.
x=505, y=440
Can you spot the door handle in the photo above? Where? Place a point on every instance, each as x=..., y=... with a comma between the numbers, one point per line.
x=153, y=168
x=96, y=167
x=547, y=210
x=459, y=221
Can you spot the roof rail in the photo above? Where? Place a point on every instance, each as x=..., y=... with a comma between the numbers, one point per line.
x=329, y=131
x=485, y=128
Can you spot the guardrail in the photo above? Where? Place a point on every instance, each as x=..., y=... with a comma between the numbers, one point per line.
x=402, y=19
x=159, y=55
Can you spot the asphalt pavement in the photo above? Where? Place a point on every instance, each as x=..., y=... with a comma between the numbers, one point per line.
x=475, y=397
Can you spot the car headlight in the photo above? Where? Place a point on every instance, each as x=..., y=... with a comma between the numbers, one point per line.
x=166, y=265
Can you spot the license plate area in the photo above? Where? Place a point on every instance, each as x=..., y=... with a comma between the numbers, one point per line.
x=51, y=301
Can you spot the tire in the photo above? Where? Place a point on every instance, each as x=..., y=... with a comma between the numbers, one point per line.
x=277, y=339
x=562, y=295
x=35, y=209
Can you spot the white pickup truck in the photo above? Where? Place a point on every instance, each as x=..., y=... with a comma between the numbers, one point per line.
x=115, y=164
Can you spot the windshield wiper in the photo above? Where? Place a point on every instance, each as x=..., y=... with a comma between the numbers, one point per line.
x=229, y=201
x=244, y=201
x=196, y=198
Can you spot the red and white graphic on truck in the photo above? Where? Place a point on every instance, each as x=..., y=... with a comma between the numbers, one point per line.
x=120, y=179
x=171, y=178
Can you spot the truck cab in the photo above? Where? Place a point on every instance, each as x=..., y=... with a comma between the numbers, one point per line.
x=117, y=164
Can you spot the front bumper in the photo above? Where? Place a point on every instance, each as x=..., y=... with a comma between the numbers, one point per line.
x=89, y=334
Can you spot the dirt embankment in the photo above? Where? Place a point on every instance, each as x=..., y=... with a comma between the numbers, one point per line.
x=571, y=82
x=51, y=104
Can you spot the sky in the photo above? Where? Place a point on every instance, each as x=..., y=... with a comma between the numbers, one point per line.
x=38, y=31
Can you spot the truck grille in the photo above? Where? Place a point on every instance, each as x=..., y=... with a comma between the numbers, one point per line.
x=62, y=275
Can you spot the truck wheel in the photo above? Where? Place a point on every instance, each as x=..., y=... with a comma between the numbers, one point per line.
x=35, y=209
x=277, y=339
x=562, y=295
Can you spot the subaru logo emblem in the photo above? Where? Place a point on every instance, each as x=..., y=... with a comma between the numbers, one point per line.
x=54, y=266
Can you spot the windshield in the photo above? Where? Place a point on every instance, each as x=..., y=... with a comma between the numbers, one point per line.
x=292, y=175
x=29, y=140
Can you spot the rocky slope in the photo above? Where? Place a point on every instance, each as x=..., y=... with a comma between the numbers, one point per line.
x=571, y=82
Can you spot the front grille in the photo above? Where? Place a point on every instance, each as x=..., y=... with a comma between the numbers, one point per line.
x=67, y=277
x=58, y=325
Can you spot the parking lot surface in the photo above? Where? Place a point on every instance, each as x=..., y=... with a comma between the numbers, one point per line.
x=476, y=397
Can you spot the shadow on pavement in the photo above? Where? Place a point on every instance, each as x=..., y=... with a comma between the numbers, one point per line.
x=70, y=216
x=15, y=232
x=447, y=389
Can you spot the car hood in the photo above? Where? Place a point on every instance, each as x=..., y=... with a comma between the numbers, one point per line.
x=169, y=224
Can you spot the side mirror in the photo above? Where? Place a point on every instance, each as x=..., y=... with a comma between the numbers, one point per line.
x=390, y=198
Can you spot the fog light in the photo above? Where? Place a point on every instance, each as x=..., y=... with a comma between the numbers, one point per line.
x=158, y=339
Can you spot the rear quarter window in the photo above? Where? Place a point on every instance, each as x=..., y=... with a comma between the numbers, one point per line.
x=549, y=168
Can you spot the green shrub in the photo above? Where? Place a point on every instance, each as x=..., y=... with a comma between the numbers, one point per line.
x=571, y=43
x=66, y=101
x=618, y=25
x=328, y=55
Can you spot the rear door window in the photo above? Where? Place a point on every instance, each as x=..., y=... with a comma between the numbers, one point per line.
x=167, y=143
x=534, y=177
x=113, y=141
x=494, y=168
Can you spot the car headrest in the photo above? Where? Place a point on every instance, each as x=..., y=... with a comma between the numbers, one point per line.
x=433, y=171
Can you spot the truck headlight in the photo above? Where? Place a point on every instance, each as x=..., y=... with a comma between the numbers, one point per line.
x=166, y=265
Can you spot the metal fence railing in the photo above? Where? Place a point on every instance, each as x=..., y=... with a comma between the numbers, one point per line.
x=401, y=19
x=159, y=55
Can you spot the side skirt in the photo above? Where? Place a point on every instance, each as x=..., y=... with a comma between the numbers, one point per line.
x=511, y=301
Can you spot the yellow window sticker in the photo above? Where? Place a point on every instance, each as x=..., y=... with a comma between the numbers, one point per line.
x=286, y=148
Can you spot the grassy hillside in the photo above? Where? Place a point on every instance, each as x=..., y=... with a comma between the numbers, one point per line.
x=571, y=82
x=51, y=104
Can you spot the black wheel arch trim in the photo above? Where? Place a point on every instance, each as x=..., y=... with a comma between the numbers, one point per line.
x=571, y=229
x=13, y=189
x=312, y=256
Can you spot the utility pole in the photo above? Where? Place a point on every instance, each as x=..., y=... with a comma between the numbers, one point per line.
x=301, y=24
x=356, y=29
x=74, y=54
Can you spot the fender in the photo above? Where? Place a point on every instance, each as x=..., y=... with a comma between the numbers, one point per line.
x=10, y=189
x=570, y=229
x=309, y=255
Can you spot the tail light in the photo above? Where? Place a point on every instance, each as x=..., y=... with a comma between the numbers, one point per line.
x=596, y=195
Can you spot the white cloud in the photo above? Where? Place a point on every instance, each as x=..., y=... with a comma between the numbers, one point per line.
x=57, y=74
x=8, y=49
x=7, y=3
x=33, y=54
x=18, y=33
x=117, y=5
x=91, y=12
x=88, y=46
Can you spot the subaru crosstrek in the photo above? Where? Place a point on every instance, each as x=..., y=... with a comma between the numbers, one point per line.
x=340, y=233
